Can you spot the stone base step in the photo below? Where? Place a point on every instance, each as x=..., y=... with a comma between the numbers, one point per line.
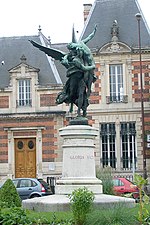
x=57, y=203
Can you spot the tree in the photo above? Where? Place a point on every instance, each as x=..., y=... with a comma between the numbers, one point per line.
x=9, y=195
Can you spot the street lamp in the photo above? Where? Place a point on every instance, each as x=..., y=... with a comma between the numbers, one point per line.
x=138, y=17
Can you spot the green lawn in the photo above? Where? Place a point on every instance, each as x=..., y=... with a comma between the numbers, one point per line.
x=49, y=217
x=117, y=215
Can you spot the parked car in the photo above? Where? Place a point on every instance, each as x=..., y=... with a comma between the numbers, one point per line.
x=31, y=187
x=124, y=186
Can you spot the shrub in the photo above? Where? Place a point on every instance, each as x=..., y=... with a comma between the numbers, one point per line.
x=9, y=195
x=81, y=201
x=116, y=214
x=14, y=216
x=105, y=175
x=143, y=214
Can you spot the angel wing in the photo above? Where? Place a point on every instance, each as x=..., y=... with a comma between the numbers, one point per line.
x=54, y=53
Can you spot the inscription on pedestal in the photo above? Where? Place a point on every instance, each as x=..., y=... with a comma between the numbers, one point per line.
x=81, y=157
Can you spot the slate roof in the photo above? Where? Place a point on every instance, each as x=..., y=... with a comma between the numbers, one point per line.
x=104, y=12
x=11, y=50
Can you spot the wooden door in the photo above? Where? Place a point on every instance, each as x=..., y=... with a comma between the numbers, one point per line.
x=25, y=157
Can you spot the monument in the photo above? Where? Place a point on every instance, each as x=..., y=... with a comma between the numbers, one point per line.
x=78, y=148
x=78, y=168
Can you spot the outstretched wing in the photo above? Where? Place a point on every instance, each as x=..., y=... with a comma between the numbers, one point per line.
x=56, y=54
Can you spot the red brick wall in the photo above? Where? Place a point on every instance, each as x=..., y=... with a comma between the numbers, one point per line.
x=4, y=102
x=136, y=81
x=96, y=94
x=48, y=142
x=3, y=146
x=87, y=8
x=47, y=100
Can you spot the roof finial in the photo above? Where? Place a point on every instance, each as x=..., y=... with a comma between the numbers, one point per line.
x=39, y=28
x=115, y=31
x=23, y=59
x=49, y=40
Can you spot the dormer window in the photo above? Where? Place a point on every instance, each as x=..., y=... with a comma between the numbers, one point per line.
x=23, y=80
x=24, y=92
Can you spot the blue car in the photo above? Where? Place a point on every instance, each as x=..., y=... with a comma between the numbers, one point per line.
x=31, y=187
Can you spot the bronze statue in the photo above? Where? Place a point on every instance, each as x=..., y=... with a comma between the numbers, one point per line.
x=80, y=72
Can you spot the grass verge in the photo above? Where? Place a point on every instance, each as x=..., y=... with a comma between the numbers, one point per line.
x=116, y=215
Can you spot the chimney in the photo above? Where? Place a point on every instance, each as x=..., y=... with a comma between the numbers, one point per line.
x=87, y=8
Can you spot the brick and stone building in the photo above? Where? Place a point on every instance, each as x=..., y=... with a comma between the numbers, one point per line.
x=30, y=145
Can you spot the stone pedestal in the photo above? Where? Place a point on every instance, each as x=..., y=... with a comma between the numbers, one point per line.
x=78, y=160
x=78, y=171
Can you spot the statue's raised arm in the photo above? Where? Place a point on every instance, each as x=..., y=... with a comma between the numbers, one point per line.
x=90, y=36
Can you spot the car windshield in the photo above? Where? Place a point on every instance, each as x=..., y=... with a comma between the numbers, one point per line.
x=118, y=182
x=130, y=181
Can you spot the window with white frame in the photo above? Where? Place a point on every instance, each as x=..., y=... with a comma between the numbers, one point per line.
x=24, y=92
x=128, y=147
x=108, y=136
x=116, y=83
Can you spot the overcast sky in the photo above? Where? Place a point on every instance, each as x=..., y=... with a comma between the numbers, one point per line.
x=56, y=17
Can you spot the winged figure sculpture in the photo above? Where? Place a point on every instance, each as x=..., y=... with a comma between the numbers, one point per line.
x=80, y=72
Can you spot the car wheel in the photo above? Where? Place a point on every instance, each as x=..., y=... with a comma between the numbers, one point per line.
x=35, y=196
